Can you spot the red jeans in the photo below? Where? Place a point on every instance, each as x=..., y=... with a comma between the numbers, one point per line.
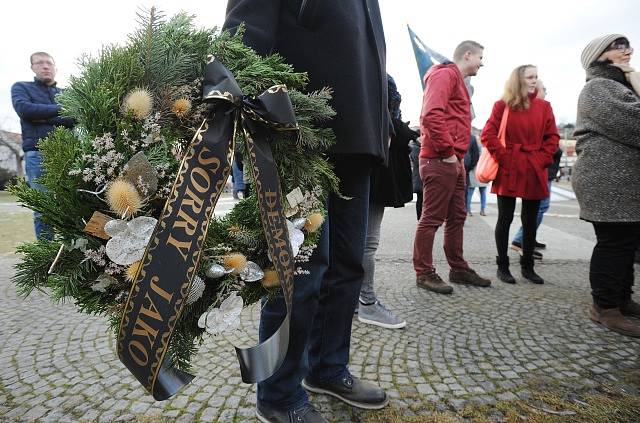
x=443, y=201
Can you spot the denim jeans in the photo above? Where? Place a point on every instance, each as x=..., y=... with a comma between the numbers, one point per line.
x=376, y=213
x=238, y=177
x=325, y=299
x=483, y=198
x=544, y=206
x=33, y=169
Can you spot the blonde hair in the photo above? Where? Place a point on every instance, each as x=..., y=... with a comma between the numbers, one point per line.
x=465, y=46
x=515, y=94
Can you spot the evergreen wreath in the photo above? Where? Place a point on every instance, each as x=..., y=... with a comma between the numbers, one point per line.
x=137, y=107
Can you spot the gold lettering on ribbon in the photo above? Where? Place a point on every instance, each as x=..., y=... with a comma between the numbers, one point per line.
x=145, y=330
x=139, y=347
x=275, y=223
x=188, y=218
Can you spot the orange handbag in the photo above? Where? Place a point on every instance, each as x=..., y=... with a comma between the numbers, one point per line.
x=487, y=167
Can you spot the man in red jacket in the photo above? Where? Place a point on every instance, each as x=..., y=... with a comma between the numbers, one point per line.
x=445, y=125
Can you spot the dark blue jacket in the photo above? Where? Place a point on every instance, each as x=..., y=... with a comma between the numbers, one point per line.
x=36, y=105
x=472, y=156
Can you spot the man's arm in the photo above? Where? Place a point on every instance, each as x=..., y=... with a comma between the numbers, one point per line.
x=436, y=97
x=260, y=19
x=61, y=121
x=28, y=110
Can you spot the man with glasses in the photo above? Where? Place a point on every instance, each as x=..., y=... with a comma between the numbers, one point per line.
x=35, y=104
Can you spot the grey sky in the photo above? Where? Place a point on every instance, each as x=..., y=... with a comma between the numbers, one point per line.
x=547, y=33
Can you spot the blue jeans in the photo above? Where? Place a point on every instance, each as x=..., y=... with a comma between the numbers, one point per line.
x=238, y=177
x=33, y=169
x=483, y=198
x=324, y=300
x=544, y=206
x=367, y=291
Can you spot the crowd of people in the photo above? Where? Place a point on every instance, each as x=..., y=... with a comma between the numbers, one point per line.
x=382, y=162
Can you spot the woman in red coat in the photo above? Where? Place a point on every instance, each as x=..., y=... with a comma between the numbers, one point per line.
x=531, y=140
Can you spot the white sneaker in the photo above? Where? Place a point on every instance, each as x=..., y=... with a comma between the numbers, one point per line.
x=377, y=314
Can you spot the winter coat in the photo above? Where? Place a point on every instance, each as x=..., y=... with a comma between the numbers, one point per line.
x=35, y=104
x=472, y=155
x=531, y=140
x=340, y=44
x=555, y=166
x=445, y=120
x=391, y=186
x=606, y=175
x=414, y=155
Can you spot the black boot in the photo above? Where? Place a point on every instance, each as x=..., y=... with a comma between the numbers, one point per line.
x=526, y=266
x=503, y=272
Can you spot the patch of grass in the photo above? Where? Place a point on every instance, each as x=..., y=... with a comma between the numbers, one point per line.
x=152, y=418
x=547, y=404
x=392, y=414
x=16, y=224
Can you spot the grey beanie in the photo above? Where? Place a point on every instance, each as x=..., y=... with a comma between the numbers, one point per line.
x=596, y=47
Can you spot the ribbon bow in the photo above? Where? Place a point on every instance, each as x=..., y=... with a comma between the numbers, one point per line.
x=271, y=108
x=170, y=260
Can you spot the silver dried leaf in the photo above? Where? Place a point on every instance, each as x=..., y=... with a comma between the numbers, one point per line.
x=103, y=281
x=215, y=271
x=299, y=222
x=127, y=244
x=139, y=169
x=224, y=318
x=196, y=291
x=251, y=272
x=115, y=226
x=79, y=244
x=296, y=237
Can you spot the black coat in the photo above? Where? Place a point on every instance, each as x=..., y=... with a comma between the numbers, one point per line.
x=340, y=44
x=472, y=156
x=391, y=186
x=555, y=166
x=414, y=155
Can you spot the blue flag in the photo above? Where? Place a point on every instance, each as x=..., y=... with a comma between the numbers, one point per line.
x=425, y=58
x=424, y=55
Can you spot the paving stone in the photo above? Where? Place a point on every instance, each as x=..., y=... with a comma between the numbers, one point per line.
x=475, y=347
x=425, y=389
x=507, y=396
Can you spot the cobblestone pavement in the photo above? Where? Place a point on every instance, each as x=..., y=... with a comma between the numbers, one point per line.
x=477, y=346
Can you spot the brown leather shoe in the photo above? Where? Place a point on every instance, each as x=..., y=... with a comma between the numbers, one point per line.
x=433, y=282
x=468, y=277
x=631, y=309
x=612, y=319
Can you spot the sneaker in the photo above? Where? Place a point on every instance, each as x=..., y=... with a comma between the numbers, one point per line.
x=470, y=214
x=483, y=213
x=468, y=277
x=516, y=246
x=351, y=390
x=540, y=245
x=433, y=282
x=306, y=413
x=377, y=314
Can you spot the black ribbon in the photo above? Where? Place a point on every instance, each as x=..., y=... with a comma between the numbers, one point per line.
x=170, y=260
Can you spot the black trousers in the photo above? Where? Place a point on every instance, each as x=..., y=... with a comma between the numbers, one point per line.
x=506, y=207
x=419, y=204
x=611, y=269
